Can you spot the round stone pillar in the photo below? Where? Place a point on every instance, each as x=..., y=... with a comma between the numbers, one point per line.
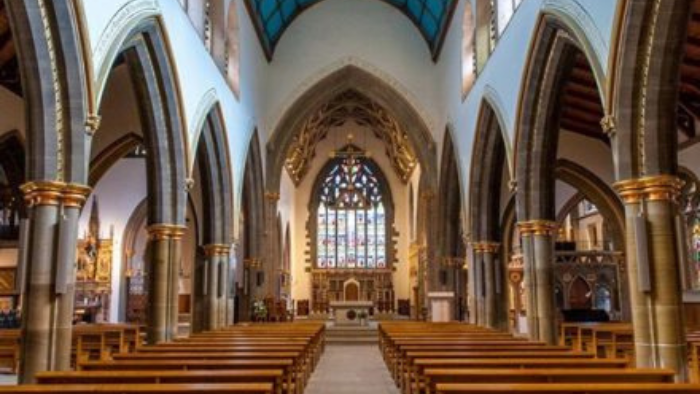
x=165, y=254
x=654, y=275
x=538, y=256
x=50, y=247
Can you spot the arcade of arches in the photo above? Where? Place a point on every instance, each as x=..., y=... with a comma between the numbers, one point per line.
x=186, y=166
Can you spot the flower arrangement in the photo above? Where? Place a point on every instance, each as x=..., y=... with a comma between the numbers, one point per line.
x=259, y=310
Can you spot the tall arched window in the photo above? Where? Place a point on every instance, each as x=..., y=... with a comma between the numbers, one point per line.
x=505, y=10
x=468, y=40
x=353, y=214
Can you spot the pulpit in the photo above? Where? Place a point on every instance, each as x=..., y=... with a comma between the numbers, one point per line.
x=441, y=306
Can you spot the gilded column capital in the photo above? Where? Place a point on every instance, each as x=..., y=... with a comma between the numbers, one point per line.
x=427, y=195
x=212, y=250
x=272, y=196
x=55, y=193
x=75, y=195
x=537, y=227
x=652, y=188
x=486, y=247
x=92, y=123
x=253, y=263
x=163, y=231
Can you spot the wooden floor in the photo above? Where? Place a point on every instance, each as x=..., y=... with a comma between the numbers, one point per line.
x=351, y=369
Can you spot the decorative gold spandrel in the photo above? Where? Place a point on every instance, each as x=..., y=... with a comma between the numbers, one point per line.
x=365, y=112
x=537, y=227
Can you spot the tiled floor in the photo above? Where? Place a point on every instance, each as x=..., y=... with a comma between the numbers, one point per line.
x=351, y=369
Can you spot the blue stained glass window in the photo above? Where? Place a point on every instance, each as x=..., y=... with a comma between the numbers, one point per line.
x=274, y=16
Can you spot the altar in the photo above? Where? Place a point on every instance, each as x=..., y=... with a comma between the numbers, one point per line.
x=347, y=313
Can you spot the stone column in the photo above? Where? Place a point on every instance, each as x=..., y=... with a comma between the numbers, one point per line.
x=164, y=254
x=50, y=246
x=538, y=255
x=272, y=246
x=472, y=290
x=224, y=284
x=487, y=253
x=654, y=276
x=211, y=288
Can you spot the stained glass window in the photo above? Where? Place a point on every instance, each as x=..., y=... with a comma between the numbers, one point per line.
x=351, y=218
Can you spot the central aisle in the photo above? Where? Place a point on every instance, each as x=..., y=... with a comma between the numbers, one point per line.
x=351, y=369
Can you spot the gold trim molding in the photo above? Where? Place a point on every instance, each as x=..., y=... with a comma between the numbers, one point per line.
x=165, y=231
x=213, y=250
x=38, y=193
x=652, y=188
x=272, y=196
x=486, y=247
x=537, y=227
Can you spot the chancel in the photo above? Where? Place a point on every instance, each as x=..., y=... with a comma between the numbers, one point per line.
x=336, y=196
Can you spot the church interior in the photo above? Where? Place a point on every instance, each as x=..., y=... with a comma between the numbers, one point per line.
x=350, y=196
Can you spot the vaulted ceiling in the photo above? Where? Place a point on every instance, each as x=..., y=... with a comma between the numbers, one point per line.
x=272, y=17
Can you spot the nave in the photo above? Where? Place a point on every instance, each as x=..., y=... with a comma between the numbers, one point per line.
x=348, y=195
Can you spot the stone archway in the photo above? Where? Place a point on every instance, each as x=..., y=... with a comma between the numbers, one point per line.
x=554, y=54
x=488, y=262
x=212, y=262
x=450, y=232
x=252, y=270
x=350, y=78
x=53, y=79
x=643, y=121
x=145, y=54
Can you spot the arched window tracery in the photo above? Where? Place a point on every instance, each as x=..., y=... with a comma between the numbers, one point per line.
x=351, y=216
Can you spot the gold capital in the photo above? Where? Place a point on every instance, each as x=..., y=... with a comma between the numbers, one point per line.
x=652, y=188
x=537, y=227
x=55, y=193
x=486, y=247
x=212, y=250
x=272, y=196
x=163, y=231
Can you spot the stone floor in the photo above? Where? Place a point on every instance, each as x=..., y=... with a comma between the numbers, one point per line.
x=353, y=369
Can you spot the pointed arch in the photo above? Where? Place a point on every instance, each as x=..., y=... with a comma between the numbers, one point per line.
x=55, y=90
x=644, y=88
x=146, y=55
x=487, y=166
x=552, y=54
x=350, y=77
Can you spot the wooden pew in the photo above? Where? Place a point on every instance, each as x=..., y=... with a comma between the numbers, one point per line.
x=568, y=388
x=270, y=376
x=177, y=388
x=472, y=376
x=286, y=365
